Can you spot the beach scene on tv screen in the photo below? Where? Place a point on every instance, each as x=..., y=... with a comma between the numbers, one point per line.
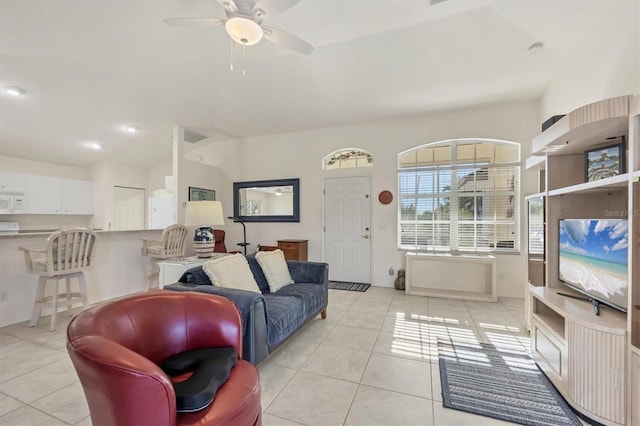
x=593, y=256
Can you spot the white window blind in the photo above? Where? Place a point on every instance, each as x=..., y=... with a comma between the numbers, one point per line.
x=460, y=196
x=536, y=226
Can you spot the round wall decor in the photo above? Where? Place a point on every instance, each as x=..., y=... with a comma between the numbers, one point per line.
x=385, y=197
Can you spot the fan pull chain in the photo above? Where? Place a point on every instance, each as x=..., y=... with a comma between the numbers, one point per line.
x=242, y=59
x=244, y=56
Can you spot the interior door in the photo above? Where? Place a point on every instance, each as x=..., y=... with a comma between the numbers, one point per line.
x=128, y=208
x=347, y=237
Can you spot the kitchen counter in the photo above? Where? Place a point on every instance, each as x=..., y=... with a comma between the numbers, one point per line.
x=45, y=232
x=119, y=269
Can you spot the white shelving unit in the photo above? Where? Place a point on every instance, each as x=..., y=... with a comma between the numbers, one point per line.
x=603, y=185
x=584, y=358
x=633, y=315
x=590, y=359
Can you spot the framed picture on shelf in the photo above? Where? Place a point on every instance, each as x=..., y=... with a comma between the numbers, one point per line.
x=604, y=162
x=201, y=194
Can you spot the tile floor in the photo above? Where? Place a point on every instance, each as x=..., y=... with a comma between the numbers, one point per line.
x=373, y=361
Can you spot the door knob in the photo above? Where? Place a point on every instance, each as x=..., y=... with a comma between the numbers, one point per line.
x=365, y=236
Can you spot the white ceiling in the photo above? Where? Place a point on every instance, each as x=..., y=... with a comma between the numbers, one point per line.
x=91, y=66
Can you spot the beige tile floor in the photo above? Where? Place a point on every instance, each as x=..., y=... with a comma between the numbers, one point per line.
x=373, y=361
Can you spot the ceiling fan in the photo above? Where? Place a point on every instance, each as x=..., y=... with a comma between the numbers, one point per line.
x=244, y=23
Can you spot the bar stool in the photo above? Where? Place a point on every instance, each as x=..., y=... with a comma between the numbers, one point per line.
x=67, y=255
x=171, y=245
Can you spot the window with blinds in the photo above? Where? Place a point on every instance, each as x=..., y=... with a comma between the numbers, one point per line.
x=536, y=227
x=461, y=195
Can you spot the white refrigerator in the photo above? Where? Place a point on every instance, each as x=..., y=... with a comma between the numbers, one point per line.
x=161, y=212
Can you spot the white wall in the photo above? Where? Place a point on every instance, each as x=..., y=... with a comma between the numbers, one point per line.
x=156, y=175
x=201, y=175
x=606, y=65
x=216, y=166
x=31, y=167
x=300, y=155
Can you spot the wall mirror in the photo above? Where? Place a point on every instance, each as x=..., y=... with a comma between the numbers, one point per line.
x=267, y=200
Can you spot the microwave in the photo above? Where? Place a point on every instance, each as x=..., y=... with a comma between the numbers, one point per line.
x=12, y=202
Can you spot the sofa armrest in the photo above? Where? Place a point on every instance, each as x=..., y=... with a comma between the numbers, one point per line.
x=195, y=275
x=309, y=272
x=254, y=319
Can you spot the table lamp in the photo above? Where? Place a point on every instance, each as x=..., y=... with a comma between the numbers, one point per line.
x=203, y=214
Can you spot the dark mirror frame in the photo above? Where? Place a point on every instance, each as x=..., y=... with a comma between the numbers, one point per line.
x=295, y=183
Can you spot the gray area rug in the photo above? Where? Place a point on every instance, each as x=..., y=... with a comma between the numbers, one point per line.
x=342, y=285
x=503, y=383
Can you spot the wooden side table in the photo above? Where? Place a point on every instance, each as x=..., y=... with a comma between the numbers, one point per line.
x=294, y=249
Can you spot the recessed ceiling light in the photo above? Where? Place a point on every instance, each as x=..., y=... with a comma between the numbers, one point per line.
x=13, y=90
x=93, y=145
x=131, y=129
x=535, y=48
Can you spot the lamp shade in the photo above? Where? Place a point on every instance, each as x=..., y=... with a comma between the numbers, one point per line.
x=200, y=213
x=244, y=31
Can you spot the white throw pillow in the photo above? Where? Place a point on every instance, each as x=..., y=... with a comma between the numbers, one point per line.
x=275, y=269
x=231, y=272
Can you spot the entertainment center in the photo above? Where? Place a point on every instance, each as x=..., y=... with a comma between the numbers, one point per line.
x=589, y=168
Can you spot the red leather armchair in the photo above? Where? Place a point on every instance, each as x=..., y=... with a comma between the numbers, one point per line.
x=116, y=349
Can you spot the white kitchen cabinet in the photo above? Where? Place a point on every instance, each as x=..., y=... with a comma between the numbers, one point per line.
x=77, y=196
x=43, y=194
x=51, y=195
x=10, y=181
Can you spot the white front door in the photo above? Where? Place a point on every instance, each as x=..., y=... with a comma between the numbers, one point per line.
x=347, y=237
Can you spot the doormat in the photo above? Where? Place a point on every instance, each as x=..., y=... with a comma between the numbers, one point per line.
x=342, y=285
x=502, y=383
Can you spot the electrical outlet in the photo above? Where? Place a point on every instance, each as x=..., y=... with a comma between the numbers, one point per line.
x=391, y=271
x=4, y=296
x=501, y=275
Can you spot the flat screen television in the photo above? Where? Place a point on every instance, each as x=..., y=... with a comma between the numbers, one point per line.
x=593, y=259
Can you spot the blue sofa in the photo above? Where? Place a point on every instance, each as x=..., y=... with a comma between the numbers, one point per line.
x=269, y=319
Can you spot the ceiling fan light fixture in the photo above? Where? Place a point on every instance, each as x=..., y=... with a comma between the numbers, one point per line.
x=93, y=145
x=131, y=129
x=244, y=31
x=13, y=90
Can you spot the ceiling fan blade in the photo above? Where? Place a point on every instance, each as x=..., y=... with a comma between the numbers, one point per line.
x=194, y=22
x=285, y=39
x=273, y=7
x=229, y=5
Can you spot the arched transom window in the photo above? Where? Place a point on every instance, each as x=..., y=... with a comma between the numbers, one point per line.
x=348, y=158
x=460, y=195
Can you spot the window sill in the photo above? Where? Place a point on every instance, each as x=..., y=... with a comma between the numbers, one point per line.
x=461, y=253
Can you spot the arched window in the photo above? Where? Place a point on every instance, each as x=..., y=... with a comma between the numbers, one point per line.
x=460, y=195
x=348, y=158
